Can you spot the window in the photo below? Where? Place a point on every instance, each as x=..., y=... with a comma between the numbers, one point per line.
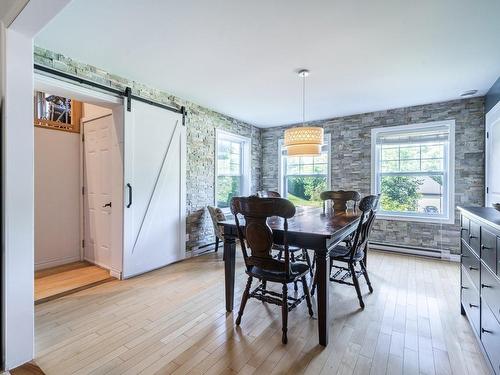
x=303, y=178
x=413, y=170
x=57, y=112
x=232, y=169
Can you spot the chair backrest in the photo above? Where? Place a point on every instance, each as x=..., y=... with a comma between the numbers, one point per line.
x=368, y=208
x=217, y=216
x=340, y=198
x=257, y=234
x=268, y=194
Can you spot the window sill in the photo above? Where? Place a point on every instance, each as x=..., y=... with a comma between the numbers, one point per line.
x=418, y=219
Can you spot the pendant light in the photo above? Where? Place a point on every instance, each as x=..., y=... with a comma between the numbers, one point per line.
x=304, y=140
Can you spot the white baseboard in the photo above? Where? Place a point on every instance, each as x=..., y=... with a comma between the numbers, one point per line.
x=419, y=251
x=116, y=274
x=56, y=262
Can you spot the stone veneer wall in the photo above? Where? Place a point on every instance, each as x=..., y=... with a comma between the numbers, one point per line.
x=201, y=125
x=351, y=164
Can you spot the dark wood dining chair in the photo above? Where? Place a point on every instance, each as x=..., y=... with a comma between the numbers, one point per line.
x=354, y=254
x=304, y=255
x=268, y=194
x=260, y=264
x=340, y=198
x=217, y=215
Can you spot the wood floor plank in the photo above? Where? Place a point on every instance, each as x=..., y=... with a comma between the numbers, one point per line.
x=173, y=320
x=59, y=281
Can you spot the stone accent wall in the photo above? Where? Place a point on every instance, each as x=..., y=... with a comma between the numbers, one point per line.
x=351, y=163
x=201, y=125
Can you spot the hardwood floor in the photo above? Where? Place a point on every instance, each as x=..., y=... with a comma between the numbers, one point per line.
x=30, y=368
x=173, y=321
x=55, y=282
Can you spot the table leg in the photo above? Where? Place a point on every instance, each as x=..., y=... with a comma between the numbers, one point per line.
x=322, y=268
x=229, y=267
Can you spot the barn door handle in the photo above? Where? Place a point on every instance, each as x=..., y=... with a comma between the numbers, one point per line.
x=129, y=195
x=107, y=205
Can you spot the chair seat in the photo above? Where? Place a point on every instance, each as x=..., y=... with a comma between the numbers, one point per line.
x=341, y=252
x=291, y=249
x=297, y=271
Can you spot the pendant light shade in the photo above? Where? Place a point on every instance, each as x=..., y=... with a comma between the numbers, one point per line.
x=303, y=140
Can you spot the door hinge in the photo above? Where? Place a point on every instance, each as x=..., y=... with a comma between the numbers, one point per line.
x=83, y=243
x=487, y=135
x=487, y=189
x=83, y=190
x=83, y=137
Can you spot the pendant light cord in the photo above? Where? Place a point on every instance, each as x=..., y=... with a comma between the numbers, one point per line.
x=304, y=100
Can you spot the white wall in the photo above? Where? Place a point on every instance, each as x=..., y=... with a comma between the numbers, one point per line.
x=91, y=111
x=57, y=197
x=17, y=180
x=17, y=165
x=2, y=280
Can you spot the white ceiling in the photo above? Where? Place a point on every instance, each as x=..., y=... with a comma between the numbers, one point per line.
x=239, y=57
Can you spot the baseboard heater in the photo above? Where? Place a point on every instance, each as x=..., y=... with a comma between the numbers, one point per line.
x=414, y=250
x=403, y=249
x=202, y=249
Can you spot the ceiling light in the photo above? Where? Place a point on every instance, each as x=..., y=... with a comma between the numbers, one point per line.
x=304, y=140
x=468, y=93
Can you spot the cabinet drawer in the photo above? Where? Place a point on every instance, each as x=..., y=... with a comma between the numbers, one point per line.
x=489, y=249
x=471, y=264
x=470, y=301
x=490, y=337
x=474, y=237
x=464, y=228
x=490, y=291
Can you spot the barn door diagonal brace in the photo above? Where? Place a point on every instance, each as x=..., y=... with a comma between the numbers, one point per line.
x=155, y=185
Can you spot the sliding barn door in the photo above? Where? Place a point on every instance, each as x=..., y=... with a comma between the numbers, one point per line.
x=154, y=197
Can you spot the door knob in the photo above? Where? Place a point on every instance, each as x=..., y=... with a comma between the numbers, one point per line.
x=107, y=205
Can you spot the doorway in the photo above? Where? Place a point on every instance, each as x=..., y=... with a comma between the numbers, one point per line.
x=78, y=165
x=492, y=153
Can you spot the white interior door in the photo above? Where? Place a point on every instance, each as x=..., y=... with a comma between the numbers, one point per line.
x=97, y=177
x=493, y=156
x=154, y=197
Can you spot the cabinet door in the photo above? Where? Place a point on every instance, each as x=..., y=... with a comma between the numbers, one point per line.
x=498, y=256
x=490, y=336
x=474, y=237
x=471, y=264
x=470, y=301
x=464, y=228
x=489, y=249
x=490, y=290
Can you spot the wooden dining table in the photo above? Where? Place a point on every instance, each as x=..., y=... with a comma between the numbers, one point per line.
x=310, y=229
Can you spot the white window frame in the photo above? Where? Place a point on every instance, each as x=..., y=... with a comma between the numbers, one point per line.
x=448, y=176
x=245, y=161
x=326, y=145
